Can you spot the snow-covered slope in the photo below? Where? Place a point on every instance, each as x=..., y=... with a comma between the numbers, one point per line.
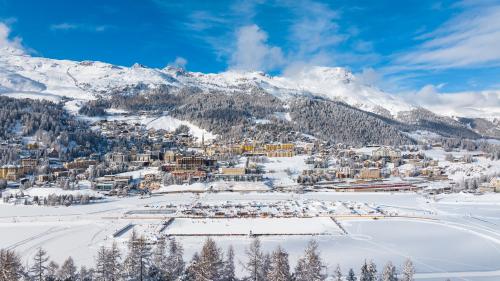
x=331, y=83
x=23, y=74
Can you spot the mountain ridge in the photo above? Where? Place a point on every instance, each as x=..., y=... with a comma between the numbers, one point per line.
x=233, y=93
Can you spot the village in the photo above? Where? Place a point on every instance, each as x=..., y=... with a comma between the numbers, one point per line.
x=144, y=161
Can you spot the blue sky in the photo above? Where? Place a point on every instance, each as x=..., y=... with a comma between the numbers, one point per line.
x=445, y=46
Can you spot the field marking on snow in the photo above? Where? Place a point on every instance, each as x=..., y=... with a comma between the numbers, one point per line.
x=51, y=230
x=458, y=274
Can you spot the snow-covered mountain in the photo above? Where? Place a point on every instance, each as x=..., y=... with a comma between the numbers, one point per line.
x=26, y=75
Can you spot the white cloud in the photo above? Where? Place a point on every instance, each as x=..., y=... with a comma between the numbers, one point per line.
x=369, y=76
x=315, y=34
x=179, y=62
x=63, y=26
x=468, y=104
x=6, y=41
x=252, y=51
x=469, y=39
x=316, y=28
x=78, y=26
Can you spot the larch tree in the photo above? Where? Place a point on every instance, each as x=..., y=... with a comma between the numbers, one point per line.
x=86, y=274
x=310, y=267
x=101, y=270
x=39, y=268
x=68, y=271
x=190, y=274
x=280, y=268
x=389, y=273
x=211, y=261
x=338, y=274
x=160, y=256
x=10, y=266
x=52, y=270
x=408, y=271
x=255, y=262
x=229, y=270
x=175, y=262
x=113, y=263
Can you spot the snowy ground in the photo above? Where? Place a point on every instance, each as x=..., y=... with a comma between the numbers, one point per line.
x=261, y=226
x=283, y=171
x=449, y=235
x=214, y=186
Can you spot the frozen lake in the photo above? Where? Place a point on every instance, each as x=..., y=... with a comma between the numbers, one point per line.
x=462, y=238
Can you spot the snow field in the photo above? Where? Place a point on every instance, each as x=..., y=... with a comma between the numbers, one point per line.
x=258, y=226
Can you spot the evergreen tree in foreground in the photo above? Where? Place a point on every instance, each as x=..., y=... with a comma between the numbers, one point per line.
x=175, y=262
x=280, y=268
x=351, y=276
x=408, y=271
x=368, y=272
x=138, y=259
x=228, y=272
x=338, y=274
x=10, y=266
x=68, y=271
x=255, y=262
x=165, y=263
x=211, y=261
x=310, y=267
x=39, y=268
x=389, y=273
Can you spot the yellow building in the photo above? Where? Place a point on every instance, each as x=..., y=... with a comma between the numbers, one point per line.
x=79, y=163
x=495, y=184
x=28, y=165
x=11, y=172
x=279, y=146
x=369, y=173
x=233, y=171
x=246, y=147
x=280, y=153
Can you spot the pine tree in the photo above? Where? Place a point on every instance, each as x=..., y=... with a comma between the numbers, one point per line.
x=364, y=275
x=52, y=270
x=228, y=270
x=39, y=268
x=10, y=266
x=389, y=273
x=101, y=273
x=254, y=265
x=408, y=271
x=175, y=261
x=190, y=273
x=372, y=271
x=310, y=267
x=159, y=254
x=266, y=265
x=351, y=276
x=211, y=262
x=338, y=274
x=157, y=270
x=68, y=271
x=138, y=259
x=86, y=274
x=368, y=272
x=280, y=268
x=113, y=263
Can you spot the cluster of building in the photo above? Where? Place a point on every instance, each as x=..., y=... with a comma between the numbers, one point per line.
x=345, y=164
x=176, y=157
